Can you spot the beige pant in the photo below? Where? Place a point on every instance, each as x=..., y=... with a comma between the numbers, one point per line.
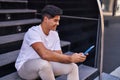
x=33, y=69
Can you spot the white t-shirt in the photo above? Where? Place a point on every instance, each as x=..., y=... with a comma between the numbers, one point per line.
x=35, y=34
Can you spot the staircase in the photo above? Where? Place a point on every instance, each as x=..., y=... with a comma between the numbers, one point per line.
x=19, y=15
x=15, y=19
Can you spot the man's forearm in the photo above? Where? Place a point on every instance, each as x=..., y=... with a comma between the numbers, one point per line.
x=54, y=56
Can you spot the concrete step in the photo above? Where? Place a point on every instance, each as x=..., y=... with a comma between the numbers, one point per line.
x=106, y=76
x=8, y=58
x=23, y=1
x=16, y=11
x=12, y=76
x=13, y=4
x=19, y=36
x=65, y=45
x=17, y=26
x=19, y=22
x=7, y=39
x=85, y=73
x=16, y=14
x=11, y=38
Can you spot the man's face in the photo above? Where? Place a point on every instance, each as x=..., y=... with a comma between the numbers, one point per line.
x=52, y=23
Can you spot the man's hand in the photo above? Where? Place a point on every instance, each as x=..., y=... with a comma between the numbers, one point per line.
x=78, y=57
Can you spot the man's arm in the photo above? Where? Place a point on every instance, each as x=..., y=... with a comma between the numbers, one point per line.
x=58, y=51
x=50, y=55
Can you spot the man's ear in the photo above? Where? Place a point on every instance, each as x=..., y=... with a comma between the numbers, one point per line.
x=45, y=18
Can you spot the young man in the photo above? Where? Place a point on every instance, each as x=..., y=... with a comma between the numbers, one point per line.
x=41, y=55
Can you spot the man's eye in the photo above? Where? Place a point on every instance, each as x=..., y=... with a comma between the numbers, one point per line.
x=56, y=20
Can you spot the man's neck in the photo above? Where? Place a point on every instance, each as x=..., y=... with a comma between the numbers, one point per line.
x=44, y=28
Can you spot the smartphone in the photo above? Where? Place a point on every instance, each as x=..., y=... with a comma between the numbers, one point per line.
x=88, y=50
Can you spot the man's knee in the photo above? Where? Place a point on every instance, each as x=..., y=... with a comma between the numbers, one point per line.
x=40, y=64
x=46, y=65
x=74, y=66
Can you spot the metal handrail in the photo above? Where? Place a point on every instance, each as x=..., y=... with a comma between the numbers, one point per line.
x=114, y=8
x=101, y=36
x=75, y=17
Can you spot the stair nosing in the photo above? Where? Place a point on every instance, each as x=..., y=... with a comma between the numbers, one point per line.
x=22, y=1
x=17, y=11
x=11, y=57
x=11, y=38
x=65, y=43
x=19, y=22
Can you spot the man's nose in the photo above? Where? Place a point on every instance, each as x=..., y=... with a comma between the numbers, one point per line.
x=57, y=23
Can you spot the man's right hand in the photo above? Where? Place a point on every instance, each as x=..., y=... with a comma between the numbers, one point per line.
x=78, y=57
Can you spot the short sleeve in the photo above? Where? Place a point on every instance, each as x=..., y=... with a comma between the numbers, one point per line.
x=32, y=36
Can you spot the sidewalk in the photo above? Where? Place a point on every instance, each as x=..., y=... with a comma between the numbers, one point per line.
x=116, y=72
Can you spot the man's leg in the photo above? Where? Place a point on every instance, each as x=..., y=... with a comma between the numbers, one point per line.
x=70, y=69
x=35, y=68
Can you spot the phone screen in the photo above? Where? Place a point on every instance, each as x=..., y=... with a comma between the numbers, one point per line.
x=88, y=50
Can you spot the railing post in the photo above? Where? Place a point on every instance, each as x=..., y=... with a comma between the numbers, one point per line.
x=101, y=40
x=114, y=8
